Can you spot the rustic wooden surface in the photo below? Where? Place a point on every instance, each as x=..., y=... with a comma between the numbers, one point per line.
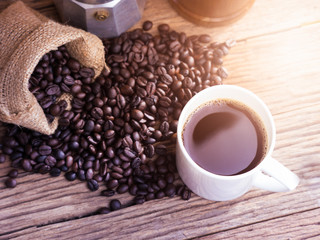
x=278, y=58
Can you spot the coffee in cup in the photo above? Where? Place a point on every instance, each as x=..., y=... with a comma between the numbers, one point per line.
x=225, y=137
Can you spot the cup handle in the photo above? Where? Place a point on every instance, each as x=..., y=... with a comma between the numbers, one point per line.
x=275, y=177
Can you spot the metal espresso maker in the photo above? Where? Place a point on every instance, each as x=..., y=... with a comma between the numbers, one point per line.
x=104, y=18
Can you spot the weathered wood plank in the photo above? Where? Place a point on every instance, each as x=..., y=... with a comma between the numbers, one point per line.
x=170, y=219
x=298, y=226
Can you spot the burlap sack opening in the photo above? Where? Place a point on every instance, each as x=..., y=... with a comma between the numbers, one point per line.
x=25, y=36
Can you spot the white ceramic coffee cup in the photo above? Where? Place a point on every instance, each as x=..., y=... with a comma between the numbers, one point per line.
x=268, y=175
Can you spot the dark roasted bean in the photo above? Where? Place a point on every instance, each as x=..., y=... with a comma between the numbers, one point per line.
x=71, y=176
x=160, y=195
x=45, y=150
x=139, y=199
x=133, y=190
x=161, y=149
x=26, y=165
x=112, y=184
x=147, y=25
x=13, y=173
x=11, y=183
x=163, y=28
x=55, y=172
x=104, y=210
x=170, y=190
x=122, y=188
x=86, y=72
x=107, y=193
x=81, y=175
x=93, y=185
x=115, y=204
x=186, y=194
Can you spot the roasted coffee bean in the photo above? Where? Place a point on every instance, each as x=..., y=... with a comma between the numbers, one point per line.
x=149, y=151
x=161, y=183
x=55, y=109
x=55, y=172
x=11, y=183
x=50, y=161
x=26, y=165
x=166, y=79
x=170, y=190
x=170, y=177
x=204, y=38
x=137, y=114
x=129, y=152
x=147, y=25
x=164, y=101
x=163, y=28
x=115, y=204
x=73, y=65
x=107, y=193
x=122, y=188
x=222, y=72
x=52, y=90
x=89, y=174
x=93, y=185
x=59, y=154
x=104, y=210
x=174, y=46
x=71, y=176
x=116, y=175
x=139, y=199
x=133, y=190
x=112, y=183
x=81, y=175
x=160, y=195
x=89, y=126
x=179, y=189
x=161, y=149
x=186, y=194
x=13, y=173
x=86, y=72
x=45, y=150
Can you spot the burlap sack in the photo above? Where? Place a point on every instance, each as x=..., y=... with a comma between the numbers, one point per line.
x=25, y=36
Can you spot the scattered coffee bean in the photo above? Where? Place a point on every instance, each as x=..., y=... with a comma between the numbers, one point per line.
x=107, y=193
x=13, y=173
x=104, y=210
x=115, y=204
x=11, y=183
x=147, y=25
x=93, y=185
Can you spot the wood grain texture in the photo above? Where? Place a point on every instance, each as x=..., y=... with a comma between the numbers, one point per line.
x=277, y=57
x=298, y=226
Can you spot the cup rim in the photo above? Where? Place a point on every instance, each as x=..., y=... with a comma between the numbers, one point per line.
x=271, y=138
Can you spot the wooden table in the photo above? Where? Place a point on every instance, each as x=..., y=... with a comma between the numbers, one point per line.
x=278, y=58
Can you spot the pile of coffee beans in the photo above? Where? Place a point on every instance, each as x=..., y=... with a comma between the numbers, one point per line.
x=121, y=129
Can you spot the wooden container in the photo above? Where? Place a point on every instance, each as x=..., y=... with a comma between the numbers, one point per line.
x=212, y=13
